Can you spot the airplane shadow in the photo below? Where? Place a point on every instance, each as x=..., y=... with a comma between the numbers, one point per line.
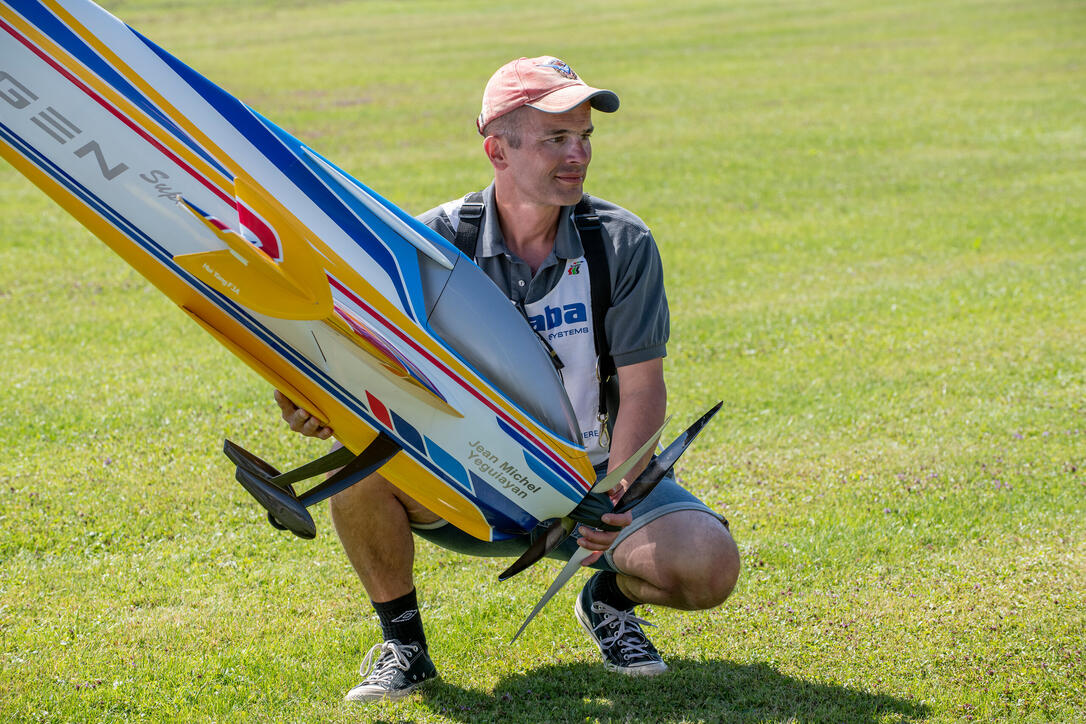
x=717, y=691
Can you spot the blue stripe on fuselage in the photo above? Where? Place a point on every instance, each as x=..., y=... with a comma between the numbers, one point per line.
x=228, y=306
x=51, y=25
x=501, y=513
x=544, y=466
x=251, y=126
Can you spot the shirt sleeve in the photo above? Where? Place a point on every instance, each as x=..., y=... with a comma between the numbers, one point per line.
x=437, y=219
x=638, y=323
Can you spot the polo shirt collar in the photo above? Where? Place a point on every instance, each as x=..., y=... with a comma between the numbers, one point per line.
x=567, y=243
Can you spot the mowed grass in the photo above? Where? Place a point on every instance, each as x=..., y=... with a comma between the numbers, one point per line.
x=872, y=221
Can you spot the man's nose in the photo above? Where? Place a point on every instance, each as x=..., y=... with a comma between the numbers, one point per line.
x=580, y=151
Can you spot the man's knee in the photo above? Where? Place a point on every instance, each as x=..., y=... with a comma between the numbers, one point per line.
x=690, y=556
x=375, y=495
x=707, y=579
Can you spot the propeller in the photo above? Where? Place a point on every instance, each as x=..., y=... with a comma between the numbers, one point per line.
x=551, y=534
x=659, y=465
x=637, y=492
x=554, y=531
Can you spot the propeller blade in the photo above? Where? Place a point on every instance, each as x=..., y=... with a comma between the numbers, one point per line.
x=615, y=476
x=563, y=578
x=553, y=533
x=663, y=462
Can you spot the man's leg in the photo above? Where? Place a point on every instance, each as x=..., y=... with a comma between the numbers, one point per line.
x=676, y=553
x=373, y=521
x=686, y=560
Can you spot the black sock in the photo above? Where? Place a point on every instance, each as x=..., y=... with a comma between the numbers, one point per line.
x=605, y=590
x=400, y=619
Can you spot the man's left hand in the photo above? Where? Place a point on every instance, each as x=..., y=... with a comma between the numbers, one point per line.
x=600, y=540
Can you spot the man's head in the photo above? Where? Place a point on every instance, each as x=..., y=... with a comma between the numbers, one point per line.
x=545, y=83
x=537, y=122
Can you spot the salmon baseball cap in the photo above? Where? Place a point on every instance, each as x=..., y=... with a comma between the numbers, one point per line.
x=545, y=83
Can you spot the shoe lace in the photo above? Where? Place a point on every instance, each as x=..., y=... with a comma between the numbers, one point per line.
x=625, y=630
x=392, y=656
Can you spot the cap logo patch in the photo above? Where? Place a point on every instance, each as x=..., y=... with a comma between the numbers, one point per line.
x=560, y=68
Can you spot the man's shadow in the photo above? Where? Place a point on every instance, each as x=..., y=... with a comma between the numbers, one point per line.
x=717, y=691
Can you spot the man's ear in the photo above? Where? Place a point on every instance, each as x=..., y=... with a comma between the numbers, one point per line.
x=496, y=152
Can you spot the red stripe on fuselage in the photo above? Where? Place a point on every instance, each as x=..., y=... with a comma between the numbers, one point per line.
x=116, y=112
x=267, y=240
x=379, y=410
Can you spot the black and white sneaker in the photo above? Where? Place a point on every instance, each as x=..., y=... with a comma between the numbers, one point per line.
x=618, y=634
x=398, y=670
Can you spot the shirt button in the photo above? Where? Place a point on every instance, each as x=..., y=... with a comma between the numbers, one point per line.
x=520, y=282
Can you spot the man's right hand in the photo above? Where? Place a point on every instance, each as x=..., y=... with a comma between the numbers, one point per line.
x=300, y=420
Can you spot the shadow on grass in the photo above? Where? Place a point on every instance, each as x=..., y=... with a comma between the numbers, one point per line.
x=716, y=691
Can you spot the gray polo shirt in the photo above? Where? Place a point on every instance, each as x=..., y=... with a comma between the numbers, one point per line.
x=637, y=324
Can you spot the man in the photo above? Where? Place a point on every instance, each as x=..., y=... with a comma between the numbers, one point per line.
x=671, y=550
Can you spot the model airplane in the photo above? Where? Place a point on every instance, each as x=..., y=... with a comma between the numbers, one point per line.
x=353, y=309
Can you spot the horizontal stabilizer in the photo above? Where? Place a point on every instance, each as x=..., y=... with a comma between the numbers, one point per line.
x=284, y=509
x=275, y=490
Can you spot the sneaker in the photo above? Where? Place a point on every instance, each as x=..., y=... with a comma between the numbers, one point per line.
x=618, y=634
x=398, y=670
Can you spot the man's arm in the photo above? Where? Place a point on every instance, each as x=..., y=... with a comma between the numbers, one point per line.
x=642, y=404
x=641, y=408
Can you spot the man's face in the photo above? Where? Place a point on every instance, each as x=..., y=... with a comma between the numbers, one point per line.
x=550, y=166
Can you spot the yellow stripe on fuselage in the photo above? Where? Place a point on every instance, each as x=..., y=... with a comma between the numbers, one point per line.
x=574, y=456
x=402, y=470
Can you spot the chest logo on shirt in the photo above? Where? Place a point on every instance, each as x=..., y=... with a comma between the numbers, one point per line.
x=573, y=268
x=554, y=317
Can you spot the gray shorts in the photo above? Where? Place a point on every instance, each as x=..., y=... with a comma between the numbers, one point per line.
x=667, y=497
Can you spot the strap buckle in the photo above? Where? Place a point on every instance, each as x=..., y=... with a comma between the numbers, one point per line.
x=587, y=222
x=471, y=210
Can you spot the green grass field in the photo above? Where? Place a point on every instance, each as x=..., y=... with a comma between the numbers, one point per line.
x=873, y=225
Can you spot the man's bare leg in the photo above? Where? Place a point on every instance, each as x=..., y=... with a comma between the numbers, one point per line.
x=686, y=559
x=373, y=521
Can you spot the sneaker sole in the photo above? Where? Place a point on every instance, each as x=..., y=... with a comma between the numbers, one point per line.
x=365, y=696
x=653, y=669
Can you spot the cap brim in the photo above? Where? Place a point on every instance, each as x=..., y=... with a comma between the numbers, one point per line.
x=568, y=98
